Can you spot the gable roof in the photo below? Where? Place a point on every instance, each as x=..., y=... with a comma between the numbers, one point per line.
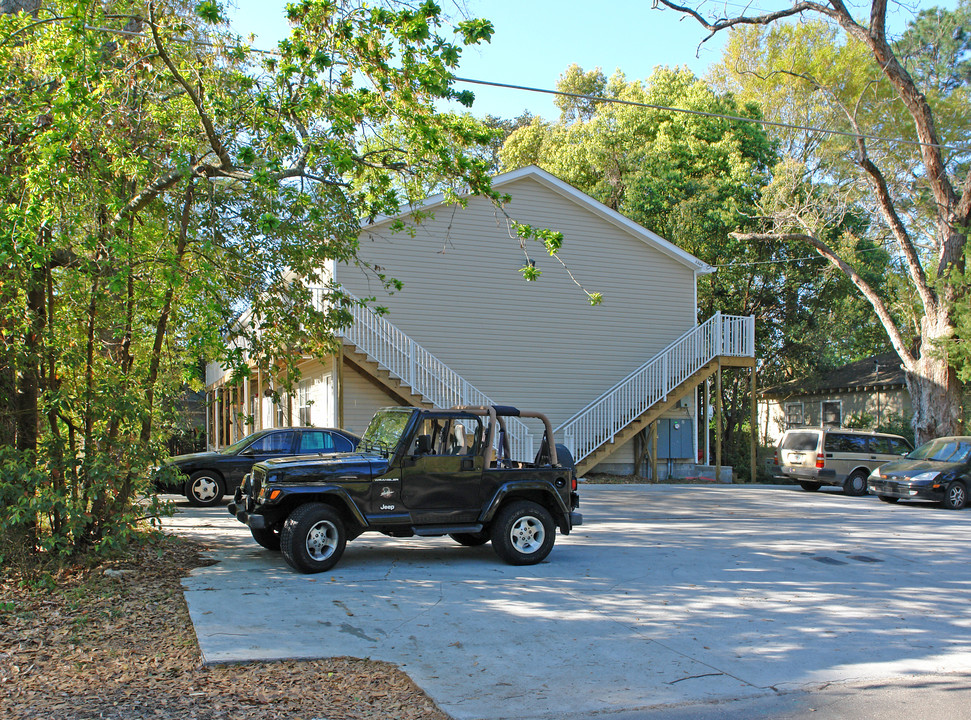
x=877, y=371
x=596, y=207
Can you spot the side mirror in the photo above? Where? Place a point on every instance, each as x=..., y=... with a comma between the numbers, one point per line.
x=248, y=452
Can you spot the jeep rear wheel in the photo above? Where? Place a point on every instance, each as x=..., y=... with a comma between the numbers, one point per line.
x=523, y=533
x=204, y=488
x=313, y=538
x=267, y=537
x=810, y=486
x=471, y=539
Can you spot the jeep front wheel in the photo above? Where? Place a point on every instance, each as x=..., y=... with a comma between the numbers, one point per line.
x=523, y=533
x=267, y=537
x=313, y=538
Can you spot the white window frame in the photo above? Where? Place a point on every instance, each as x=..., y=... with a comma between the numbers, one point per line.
x=304, y=403
x=789, y=407
x=822, y=413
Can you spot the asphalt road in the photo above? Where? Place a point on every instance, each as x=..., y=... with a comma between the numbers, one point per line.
x=671, y=602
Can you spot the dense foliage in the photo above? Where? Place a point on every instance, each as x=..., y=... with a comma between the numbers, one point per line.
x=156, y=180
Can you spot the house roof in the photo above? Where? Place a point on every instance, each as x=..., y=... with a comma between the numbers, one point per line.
x=877, y=371
x=596, y=207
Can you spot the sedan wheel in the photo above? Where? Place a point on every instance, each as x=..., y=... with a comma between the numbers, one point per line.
x=955, y=495
x=204, y=488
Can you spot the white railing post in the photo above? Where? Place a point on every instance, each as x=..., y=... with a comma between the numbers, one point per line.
x=719, y=333
x=411, y=363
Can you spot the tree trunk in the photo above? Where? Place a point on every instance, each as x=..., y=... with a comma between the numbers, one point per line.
x=935, y=391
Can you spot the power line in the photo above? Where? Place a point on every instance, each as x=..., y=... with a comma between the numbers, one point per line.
x=703, y=113
x=592, y=98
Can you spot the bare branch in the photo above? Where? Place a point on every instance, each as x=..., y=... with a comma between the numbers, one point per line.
x=766, y=19
x=207, y=124
x=896, y=338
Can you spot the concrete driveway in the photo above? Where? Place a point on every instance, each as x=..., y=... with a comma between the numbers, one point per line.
x=669, y=597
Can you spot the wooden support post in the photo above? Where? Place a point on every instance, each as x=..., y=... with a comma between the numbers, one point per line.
x=754, y=424
x=718, y=422
x=654, y=451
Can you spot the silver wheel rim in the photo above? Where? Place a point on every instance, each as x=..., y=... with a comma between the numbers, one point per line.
x=204, y=489
x=527, y=534
x=322, y=540
x=957, y=495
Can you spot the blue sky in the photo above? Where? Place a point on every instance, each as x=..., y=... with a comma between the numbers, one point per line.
x=535, y=41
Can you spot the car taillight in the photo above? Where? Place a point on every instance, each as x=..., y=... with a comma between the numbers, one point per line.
x=775, y=458
x=574, y=483
x=820, y=461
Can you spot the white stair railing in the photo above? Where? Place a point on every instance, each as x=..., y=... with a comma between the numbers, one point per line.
x=424, y=373
x=600, y=421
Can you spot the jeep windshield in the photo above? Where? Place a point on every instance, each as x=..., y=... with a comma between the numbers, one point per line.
x=385, y=430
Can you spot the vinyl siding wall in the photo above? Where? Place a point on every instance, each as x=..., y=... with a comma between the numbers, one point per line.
x=537, y=345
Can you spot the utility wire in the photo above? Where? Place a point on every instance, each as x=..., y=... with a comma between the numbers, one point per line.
x=738, y=118
x=593, y=98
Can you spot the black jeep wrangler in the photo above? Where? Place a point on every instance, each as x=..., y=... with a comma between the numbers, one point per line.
x=415, y=472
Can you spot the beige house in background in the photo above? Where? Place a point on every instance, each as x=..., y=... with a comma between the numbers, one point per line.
x=875, y=386
x=466, y=329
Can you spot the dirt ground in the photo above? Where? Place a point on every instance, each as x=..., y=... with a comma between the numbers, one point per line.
x=115, y=641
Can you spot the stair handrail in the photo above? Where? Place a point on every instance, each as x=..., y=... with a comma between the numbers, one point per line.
x=399, y=354
x=600, y=420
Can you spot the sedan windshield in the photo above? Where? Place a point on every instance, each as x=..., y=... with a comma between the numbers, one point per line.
x=240, y=444
x=943, y=450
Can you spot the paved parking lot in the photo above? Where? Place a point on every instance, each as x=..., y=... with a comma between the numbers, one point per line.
x=671, y=598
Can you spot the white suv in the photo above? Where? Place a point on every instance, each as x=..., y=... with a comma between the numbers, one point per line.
x=836, y=456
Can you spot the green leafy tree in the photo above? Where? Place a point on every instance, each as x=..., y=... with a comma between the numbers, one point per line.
x=695, y=179
x=919, y=194
x=157, y=180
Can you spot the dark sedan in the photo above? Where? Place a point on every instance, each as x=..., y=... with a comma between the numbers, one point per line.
x=205, y=477
x=939, y=470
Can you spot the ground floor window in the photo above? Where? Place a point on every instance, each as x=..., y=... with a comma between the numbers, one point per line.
x=794, y=415
x=832, y=412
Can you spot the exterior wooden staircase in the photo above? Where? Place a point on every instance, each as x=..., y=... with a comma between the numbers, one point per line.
x=395, y=362
x=614, y=418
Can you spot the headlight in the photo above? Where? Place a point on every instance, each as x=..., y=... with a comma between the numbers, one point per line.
x=925, y=477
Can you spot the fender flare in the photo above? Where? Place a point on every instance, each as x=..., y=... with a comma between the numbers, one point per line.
x=561, y=512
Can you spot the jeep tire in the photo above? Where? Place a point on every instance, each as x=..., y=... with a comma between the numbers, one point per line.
x=523, y=533
x=267, y=537
x=313, y=538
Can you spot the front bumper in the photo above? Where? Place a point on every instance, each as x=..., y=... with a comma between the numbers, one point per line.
x=906, y=491
x=237, y=508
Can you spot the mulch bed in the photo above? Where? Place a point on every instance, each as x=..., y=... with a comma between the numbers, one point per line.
x=115, y=641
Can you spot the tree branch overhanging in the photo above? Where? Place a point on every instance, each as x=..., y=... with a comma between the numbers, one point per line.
x=896, y=338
